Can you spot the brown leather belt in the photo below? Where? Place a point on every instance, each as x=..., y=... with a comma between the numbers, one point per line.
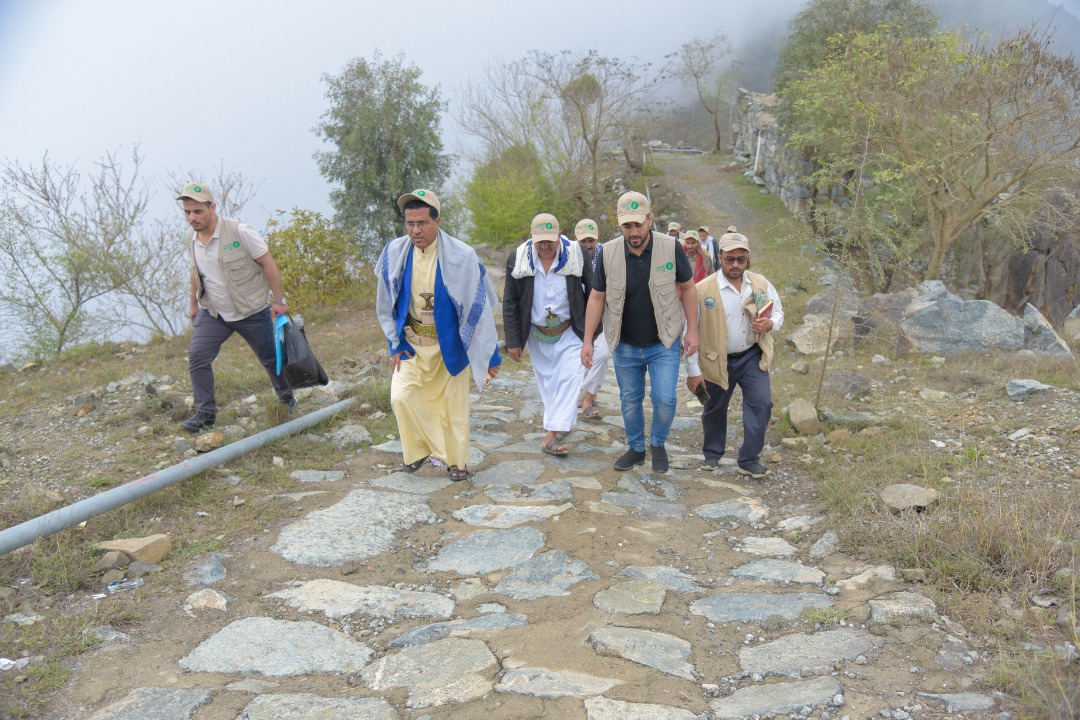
x=552, y=331
x=424, y=331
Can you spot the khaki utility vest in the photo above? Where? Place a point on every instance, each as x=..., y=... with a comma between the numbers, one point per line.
x=244, y=278
x=712, y=329
x=663, y=289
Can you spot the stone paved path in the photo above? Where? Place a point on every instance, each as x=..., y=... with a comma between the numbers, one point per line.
x=550, y=587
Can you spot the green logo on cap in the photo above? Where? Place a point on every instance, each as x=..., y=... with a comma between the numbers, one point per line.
x=548, y=226
x=420, y=193
x=236, y=243
x=196, y=188
x=633, y=205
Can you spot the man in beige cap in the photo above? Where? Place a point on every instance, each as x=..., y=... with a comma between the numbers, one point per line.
x=436, y=306
x=674, y=229
x=587, y=234
x=708, y=243
x=544, y=308
x=235, y=287
x=739, y=313
x=636, y=293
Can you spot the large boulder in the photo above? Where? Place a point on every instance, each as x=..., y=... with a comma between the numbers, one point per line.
x=941, y=323
x=1040, y=337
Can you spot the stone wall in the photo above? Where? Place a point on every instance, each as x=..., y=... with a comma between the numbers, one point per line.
x=985, y=265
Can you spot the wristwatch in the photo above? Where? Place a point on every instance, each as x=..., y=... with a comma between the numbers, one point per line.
x=280, y=302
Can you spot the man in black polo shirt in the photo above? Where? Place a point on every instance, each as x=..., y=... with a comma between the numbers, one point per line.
x=636, y=292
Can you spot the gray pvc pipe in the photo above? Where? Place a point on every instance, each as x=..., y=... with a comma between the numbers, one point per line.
x=53, y=522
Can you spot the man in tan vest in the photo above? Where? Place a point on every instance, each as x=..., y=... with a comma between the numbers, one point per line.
x=636, y=292
x=235, y=287
x=739, y=311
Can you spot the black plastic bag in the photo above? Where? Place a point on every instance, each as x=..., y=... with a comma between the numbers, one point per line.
x=299, y=366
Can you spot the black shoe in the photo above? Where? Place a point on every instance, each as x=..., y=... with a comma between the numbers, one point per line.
x=199, y=422
x=711, y=463
x=289, y=401
x=629, y=459
x=659, y=459
x=755, y=470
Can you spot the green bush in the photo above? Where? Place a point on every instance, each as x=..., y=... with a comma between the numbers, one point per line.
x=317, y=260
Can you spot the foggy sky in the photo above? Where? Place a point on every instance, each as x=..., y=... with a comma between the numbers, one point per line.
x=239, y=82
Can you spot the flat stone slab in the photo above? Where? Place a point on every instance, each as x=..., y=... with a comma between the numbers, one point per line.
x=779, y=571
x=657, y=650
x=549, y=575
x=961, y=702
x=505, y=516
x=409, y=483
x=158, y=703
x=767, y=546
x=635, y=597
x=776, y=699
x=799, y=655
x=520, y=472
x=902, y=606
x=454, y=670
x=277, y=648
x=583, y=483
x=745, y=510
x=522, y=447
x=313, y=476
x=552, y=684
x=206, y=570
x=604, y=709
x=632, y=494
x=669, y=577
x=304, y=706
x=756, y=607
x=488, y=439
x=336, y=599
x=486, y=551
x=559, y=491
x=578, y=461
x=456, y=628
x=362, y=525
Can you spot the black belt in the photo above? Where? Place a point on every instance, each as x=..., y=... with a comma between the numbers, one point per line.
x=733, y=356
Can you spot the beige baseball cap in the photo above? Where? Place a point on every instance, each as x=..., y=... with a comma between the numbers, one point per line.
x=704, y=229
x=545, y=228
x=196, y=191
x=691, y=234
x=633, y=207
x=425, y=196
x=674, y=226
x=586, y=228
x=733, y=241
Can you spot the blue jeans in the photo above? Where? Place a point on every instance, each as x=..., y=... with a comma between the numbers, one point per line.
x=631, y=363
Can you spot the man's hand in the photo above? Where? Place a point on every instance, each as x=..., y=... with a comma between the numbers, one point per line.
x=586, y=354
x=494, y=370
x=690, y=342
x=277, y=310
x=193, y=311
x=761, y=326
x=395, y=360
x=694, y=381
x=515, y=354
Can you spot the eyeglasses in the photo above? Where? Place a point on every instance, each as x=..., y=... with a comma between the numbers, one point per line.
x=741, y=260
x=418, y=224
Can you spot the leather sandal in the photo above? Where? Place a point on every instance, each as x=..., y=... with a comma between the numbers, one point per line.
x=457, y=474
x=414, y=466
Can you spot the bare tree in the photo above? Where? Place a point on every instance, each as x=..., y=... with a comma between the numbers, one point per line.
x=701, y=64
x=577, y=110
x=63, y=247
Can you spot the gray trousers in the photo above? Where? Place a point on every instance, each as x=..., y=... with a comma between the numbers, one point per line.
x=210, y=333
x=744, y=371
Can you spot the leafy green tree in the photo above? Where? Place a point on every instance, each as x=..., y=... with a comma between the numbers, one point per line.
x=700, y=63
x=383, y=124
x=973, y=132
x=317, y=260
x=820, y=32
x=505, y=193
